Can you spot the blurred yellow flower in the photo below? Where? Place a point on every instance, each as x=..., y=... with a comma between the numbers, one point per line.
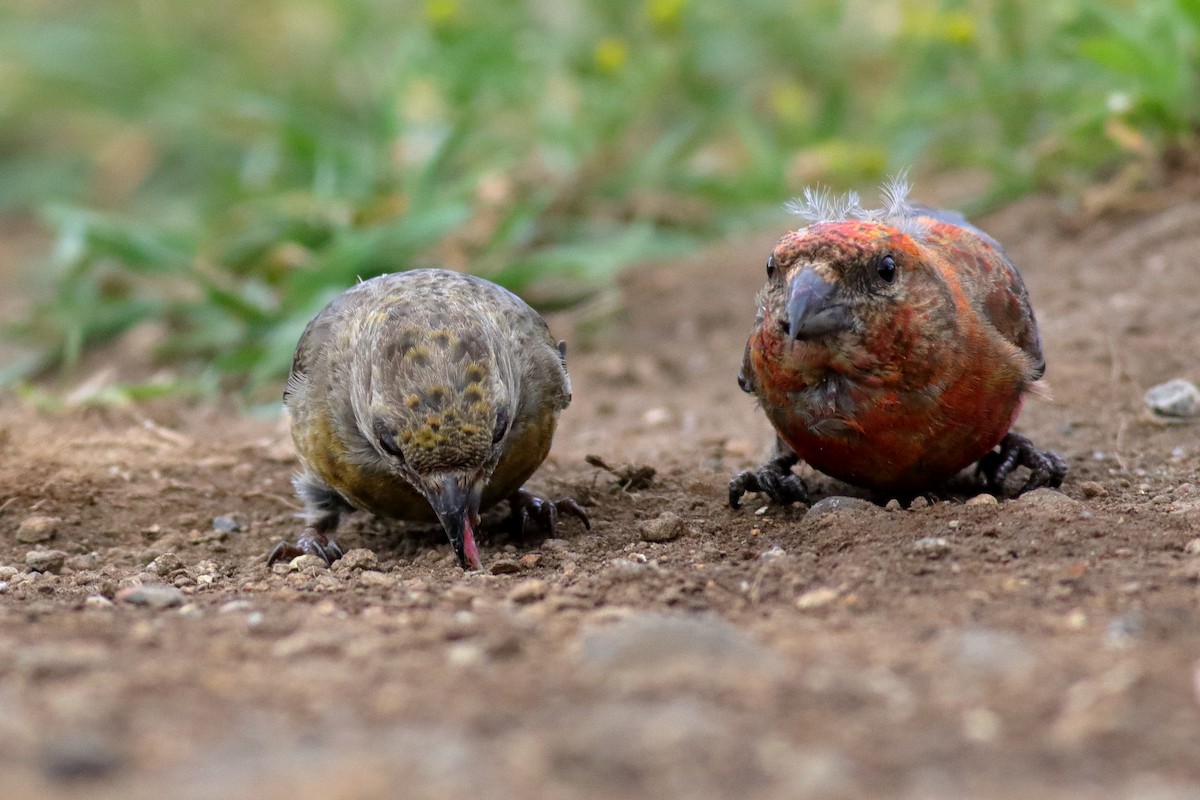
x=791, y=102
x=441, y=13
x=958, y=27
x=665, y=14
x=610, y=54
x=922, y=22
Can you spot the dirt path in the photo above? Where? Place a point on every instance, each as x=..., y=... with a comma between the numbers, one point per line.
x=1047, y=647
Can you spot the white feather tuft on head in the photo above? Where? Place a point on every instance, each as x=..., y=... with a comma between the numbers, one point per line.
x=821, y=205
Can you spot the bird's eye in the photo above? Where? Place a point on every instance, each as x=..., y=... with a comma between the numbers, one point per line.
x=771, y=266
x=501, y=426
x=887, y=269
x=387, y=440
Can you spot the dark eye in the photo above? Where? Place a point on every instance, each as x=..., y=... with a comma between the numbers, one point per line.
x=771, y=266
x=501, y=426
x=887, y=269
x=387, y=440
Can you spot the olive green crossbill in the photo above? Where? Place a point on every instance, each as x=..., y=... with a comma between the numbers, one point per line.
x=423, y=395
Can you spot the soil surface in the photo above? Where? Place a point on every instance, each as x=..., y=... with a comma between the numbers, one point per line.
x=1042, y=647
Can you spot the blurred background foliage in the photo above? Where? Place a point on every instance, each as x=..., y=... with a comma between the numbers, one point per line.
x=212, y=173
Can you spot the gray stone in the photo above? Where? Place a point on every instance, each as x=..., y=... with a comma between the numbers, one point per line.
x=1051, y=500
x=51, y=561
x=229, y=523
x=932, y=547
x=842, y=505
x=166, y=564
x=1175, y=398
x=151, y=595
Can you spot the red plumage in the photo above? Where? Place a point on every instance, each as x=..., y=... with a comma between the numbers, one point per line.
x=892, y=348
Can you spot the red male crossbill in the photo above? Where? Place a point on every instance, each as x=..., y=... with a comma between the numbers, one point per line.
x=892, y=348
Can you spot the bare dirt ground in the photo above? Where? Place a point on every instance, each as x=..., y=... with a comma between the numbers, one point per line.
x=1046, y=647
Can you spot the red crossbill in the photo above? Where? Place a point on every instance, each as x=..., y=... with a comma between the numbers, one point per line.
x=423, y=395
x=892, y=348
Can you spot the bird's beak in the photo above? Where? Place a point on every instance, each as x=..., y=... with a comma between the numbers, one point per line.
x=813, y=307
x=456, y=503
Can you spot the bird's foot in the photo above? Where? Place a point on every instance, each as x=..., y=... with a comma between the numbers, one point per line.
x=775, y=479
x=311, y=542
x=527, y=507
x=1045, y=467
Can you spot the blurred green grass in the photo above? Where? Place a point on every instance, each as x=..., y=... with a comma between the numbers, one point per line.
x=218, y=170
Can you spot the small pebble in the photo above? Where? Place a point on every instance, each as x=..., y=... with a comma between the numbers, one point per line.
x=655, y=417
x=529, y=560
x=1176, y=398
x=166, y=564
x=1051, y=500
x=98, y=601
x=234, y=606
x=51, y=561
x=38, y=528
x=983, y=499
x=528, y=591
x=359, y=558
x=151, y=595
x=83, y=561
x=1192, y=548
x=229, y=523
x=772, y=554
x=932, y=547
x=893, y=505
x=1093, y=489
x=666, y=527
x=918, y=503
x=816, y=598
x=307, y=561
x=837, y=504
x=504, y=566
x=375, y=578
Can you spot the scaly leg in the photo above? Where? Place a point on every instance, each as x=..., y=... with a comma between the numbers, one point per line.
x=1045, y=468
x=775, y=479
x=323, y=509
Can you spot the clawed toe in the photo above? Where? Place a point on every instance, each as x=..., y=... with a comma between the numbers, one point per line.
x=310, y=543
x=1046, y=469
x=779, y=485
x=528, y=507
